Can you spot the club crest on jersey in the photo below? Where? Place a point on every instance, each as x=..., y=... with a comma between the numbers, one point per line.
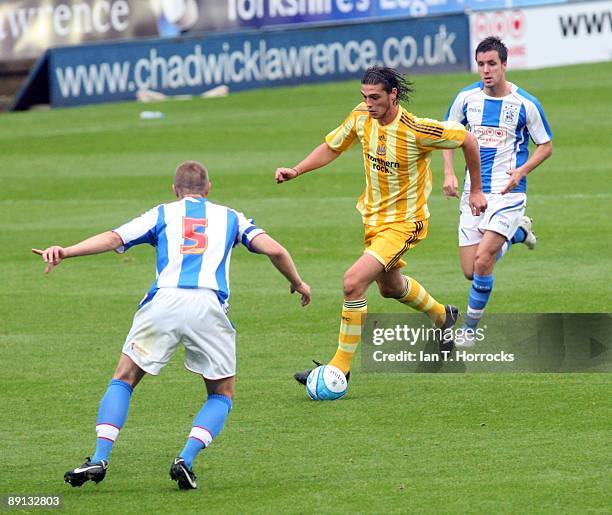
x=510, y=114
x=381, y=149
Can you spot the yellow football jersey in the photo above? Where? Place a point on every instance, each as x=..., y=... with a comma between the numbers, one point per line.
x=396, y=158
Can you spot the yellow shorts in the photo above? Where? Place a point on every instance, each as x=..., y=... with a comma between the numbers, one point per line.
x=386, y=243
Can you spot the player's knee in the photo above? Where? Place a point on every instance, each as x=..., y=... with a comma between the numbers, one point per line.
x=351, y=285
x=483, y=263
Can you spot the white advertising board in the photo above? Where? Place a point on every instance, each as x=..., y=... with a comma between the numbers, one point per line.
x=548, y=36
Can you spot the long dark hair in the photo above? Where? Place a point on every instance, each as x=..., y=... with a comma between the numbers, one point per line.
x=390, y=79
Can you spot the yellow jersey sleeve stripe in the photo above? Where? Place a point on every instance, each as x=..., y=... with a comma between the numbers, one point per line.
x=424, y=128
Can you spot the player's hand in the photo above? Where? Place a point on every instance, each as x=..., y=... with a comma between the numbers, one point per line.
x=450, y=186
x=285, y=174
x=478, y=203
x=53, y=256
x=304, y=290
x=515, y=177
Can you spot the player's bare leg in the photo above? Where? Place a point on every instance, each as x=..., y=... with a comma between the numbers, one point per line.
x=391, y=284
x=359, y=276
x=128, y=371
x=223, y=386
x=207, y=424
x=486, y=252
x=467, y=256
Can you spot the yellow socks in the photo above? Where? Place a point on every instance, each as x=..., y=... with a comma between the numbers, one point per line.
x=353, y=313
x=417, y=297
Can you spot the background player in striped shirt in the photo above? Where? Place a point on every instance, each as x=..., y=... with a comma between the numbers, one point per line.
x=503, y=117
x=187, y=303
x=397, y=149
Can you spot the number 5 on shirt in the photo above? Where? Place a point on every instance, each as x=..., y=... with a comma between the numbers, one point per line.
x=199, y=239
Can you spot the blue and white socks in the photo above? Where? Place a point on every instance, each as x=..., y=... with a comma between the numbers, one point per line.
x=478, y=298
x=207, y=424
x=111, y=416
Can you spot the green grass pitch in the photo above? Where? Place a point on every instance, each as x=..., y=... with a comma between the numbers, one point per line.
x=489, y=443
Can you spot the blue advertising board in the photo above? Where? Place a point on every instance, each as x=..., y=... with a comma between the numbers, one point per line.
x=256, y=14
x=113, y=71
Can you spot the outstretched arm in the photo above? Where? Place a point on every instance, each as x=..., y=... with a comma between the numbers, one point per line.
x=318, y=158
x=97, y=244
x=281, y=259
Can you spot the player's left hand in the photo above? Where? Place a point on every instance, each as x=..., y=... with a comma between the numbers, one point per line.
x=515, y=177
x=478, y=203
x=53, y=256
x=304, y=290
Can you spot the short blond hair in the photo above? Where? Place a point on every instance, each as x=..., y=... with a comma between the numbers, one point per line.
x=191, y=177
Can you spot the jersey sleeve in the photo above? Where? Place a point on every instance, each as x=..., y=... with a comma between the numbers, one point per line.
x=344, y=136
x=142, y=229
x=456, y=111
x=247, y=230
x=432, y=134
x=537, y=124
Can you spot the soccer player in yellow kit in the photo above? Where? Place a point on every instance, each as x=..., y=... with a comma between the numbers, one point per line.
x=396, y=153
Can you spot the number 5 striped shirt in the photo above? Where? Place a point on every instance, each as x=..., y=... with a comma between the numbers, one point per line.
x=194, y=239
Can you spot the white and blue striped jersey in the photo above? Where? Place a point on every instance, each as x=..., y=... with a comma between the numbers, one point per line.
x=194, y=240
x=503, y=127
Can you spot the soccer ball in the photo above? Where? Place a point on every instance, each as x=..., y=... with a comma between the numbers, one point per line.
x=326, y=383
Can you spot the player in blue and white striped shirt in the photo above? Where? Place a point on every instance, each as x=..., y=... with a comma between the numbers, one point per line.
x=211, y=231
x=503, y=117
x=186, y=304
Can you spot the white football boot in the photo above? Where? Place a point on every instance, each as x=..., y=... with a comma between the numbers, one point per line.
x=530, y=239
